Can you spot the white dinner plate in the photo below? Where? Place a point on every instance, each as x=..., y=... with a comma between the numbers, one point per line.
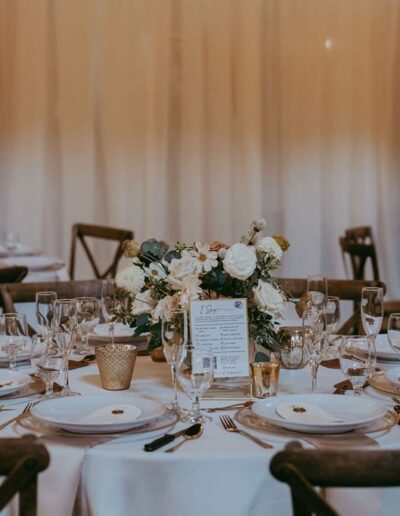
x=383, y=349
x=393, y=375
x=23, y=356
x=98, y=413
x=351, y=412
x=18, y=381
x=22, y=250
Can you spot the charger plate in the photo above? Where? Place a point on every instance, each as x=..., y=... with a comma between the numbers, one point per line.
x=383, y=384
x=248, y=418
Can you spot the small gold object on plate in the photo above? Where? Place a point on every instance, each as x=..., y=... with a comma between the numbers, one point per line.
x=265, y=377
x=116, y=363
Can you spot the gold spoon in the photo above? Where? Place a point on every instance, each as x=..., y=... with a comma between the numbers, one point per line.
x=194, y=434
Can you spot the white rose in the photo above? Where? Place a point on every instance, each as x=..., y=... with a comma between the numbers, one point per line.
x=163, y=308
x=143, y=303
x=268, y=299
x=130, y=279
x=181, y=267
x=270, y=246
x=240, y=261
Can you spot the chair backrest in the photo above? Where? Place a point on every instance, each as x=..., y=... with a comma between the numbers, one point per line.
x=82, y=231
x=359, y=254
x=346, y=290
x=13, y=274
x=302, y=469
x=21, y=460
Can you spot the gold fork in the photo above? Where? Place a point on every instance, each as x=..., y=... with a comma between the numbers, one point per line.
x=229, y=426
x=22, y=414
x=242, y=404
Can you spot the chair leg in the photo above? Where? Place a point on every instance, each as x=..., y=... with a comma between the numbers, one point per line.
x=27, y=499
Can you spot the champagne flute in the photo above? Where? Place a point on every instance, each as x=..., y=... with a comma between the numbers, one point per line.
x=317, y=290
x=314, y=325
x=357, y=357
x=372, y=314
x=63, y=342
x=44, y=305
x=87, y=319
x=174, y=333
x=14, y=329
x=65, y=322
x=393, y=332
x=108, y=304
x=195, y=375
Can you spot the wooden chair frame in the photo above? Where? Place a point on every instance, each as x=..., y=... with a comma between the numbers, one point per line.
x=14, y=274
x=359, y=255
x=81, y=231
x=302, y=469
x=21, y=460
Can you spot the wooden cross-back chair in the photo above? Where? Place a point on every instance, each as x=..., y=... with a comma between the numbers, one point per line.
x=346, y=290
x=14, y=274
x=82, y=231
x=26, y=292
x=21, y=461
x=302, y=469
x=359, y=254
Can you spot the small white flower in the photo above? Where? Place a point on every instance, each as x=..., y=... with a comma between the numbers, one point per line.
x=181, y=267
x=189, y=286
x=205, y=259
x=270, y=246
x=222, y=253
x=155, y=271
x=259, y=224
x=143, y=303
x=240, y=261
x=268, y=299
x=130, y=279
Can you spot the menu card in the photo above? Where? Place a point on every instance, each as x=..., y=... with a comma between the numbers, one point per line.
x=223, y=324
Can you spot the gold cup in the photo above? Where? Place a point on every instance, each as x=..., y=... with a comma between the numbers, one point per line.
x=265, y=376
x=116, y=363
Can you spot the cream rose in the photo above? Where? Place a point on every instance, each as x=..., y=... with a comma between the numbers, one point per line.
x=130, y=279
x=240, y=261
x=143, y=303
x=181, y=267
x=270, y=246
x=268, y=299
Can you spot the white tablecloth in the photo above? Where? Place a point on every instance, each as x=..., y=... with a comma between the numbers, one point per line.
x=220, y=473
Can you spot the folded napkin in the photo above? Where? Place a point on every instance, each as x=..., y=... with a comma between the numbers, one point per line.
x=332, y=363
x=111, y=414
x=305, y=413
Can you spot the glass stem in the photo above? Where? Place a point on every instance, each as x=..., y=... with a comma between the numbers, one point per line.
x=13, y=363
x=196, y=407
x=66, y=370
x=111, y=331
x=173, y=374
x=49, y=388
x=314, y=371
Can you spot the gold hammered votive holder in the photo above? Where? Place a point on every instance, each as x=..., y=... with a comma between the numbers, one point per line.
x=116, y=363
x=265, y=377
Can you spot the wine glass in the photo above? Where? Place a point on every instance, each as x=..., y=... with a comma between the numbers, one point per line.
x=39, y=345
x=108, y=305
x=314, y=327
x=50, y=365
x=357, y=358
x=393, y=332
x=174, y=334
x=65, y=315
x=317, y=290
x=63, y=342
x=87, y=319
x=10, y=241
x=44, y=304
x=14, y=329
x=332, y=316
x=195, y=375
x=372, y=314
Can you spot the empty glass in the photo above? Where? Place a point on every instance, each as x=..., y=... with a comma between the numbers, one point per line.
x=14, y=331
x=174, y=334
x=108, y=304
x=372, y=310
x=317, y=290
x=10, y=241
x=314, y=328
x=49, y=367
x=65, y=315
x=45, y=311
x=357, y=356
x=393, y=332
x=39, y=345
x=87, y=319
x=195, y=375
x=63, y=342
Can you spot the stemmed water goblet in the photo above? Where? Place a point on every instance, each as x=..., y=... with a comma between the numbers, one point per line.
x=44, y=309
x=49, y=364
x=65, y=323
x=174, y=335
x=108, y=305
x=14, y=329
x=87, y=319
x=317, y=290
x=195, y=375
x=357, y=358
x=314, y=328
x=372, y=313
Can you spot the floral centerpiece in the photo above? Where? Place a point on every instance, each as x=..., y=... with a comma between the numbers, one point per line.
x=162, y=278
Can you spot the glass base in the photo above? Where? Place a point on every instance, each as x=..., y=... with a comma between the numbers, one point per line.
x=179, y=411
x=67, y=392
x=192, y=417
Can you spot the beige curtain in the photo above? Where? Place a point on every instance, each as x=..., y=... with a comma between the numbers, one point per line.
x=186, y=119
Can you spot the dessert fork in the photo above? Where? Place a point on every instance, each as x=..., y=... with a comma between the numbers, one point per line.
x=22, y=414
x=229, y=426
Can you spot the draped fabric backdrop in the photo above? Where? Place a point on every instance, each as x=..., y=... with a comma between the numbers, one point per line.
x=186, y=119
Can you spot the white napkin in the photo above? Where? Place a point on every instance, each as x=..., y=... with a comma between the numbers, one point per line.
x=305, y=413
x=120, y=330
x=112, y=414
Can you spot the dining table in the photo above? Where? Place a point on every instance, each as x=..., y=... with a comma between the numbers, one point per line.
x=218, y=473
